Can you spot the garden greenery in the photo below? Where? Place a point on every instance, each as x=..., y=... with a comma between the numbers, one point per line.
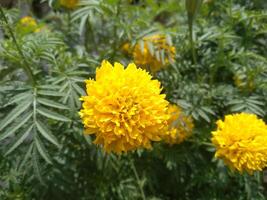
x=210, y=58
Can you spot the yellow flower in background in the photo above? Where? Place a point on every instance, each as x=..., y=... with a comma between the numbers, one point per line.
x=69, y=4
x=180, y=126
x=124, y=108
x=153, y=53
x=28, y=21
x=241, y=141
x=27, y=24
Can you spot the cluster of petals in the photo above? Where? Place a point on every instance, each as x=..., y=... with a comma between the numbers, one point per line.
x=241, y=141
x=124, y=108
x=151, y=52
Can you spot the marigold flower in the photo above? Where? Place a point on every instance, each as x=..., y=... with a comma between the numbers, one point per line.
x=27, y=24
x=124, y=108
x=180, y=126
x=241, y=141
x=69, y=4
x=156, y=59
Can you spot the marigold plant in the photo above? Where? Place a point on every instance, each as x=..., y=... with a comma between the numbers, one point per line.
x=154, y=54
x=180, y=126
x=123, y=108
x=240, y=140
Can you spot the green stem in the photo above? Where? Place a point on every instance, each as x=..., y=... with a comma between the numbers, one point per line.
x=192, y=43
x=115, y=46
x=138, y=180
x=69, y=21
x=201, y=143
x=26, y=65
x=231, y=8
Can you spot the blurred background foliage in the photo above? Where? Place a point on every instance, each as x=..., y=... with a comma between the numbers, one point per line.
x=43, y=152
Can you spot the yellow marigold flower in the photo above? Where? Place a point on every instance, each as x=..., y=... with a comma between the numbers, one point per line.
x=27, y=24
x=69, y=4
x=144, y=57
x=180, y=126
x=241, y=141
x=123, y=108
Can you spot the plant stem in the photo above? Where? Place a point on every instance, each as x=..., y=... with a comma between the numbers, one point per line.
x=115, y=43
x=192, y=43
x=26, y=65
x=138, y=180
x=201, y=143
x=69, y=21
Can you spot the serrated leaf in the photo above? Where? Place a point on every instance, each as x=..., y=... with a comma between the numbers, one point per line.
x=195, y=115
x=235, y=101
x=49, y=87
x=162, y=56
x=20, y=139
x=52, y=115
x=151, y=48
x=15, y=127
x=78, y=89
x=256, y=109
x=238, y=107
x=26, y=157
x=142, y=46
x=157, y=53
x=15, y=113
x=19, y=98
x=78, y=79
x=41, y=150
x=51, y=103
x=36, y=165
x=50, y=93
x=46, y=133
x=208, y=110
x=254, y=101
x=184, y=104
x=203, y=115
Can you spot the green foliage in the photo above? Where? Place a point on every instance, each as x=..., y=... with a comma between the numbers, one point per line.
x=220, y=68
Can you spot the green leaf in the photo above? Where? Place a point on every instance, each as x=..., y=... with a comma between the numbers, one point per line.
x=50, y=103
x=15, y=113
x=26, y=157
x=15, y=127
x=78, y=79
x=20, y=139
x=52, y=115
x=41, y=150
x=50, y=93
x=46, y=133
x=151, y=48
x=238, y=108
x=19, y=97
x=36, y=165
x=78, y=89
x=203, y=115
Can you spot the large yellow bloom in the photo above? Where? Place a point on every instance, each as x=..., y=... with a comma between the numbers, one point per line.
x=241, y=141
x=180, y=126
x=69, y=4
x=124, y=108
x=156, y=59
